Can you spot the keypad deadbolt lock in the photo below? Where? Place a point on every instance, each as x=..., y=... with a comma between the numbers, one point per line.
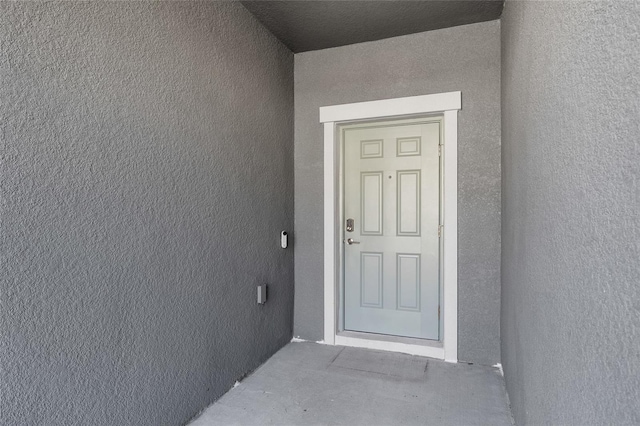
x=349, y=225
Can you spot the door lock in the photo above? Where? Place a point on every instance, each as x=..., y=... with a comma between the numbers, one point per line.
x=349, y=225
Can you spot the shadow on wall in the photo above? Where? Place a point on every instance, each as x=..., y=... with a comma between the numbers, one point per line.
x=142, y=142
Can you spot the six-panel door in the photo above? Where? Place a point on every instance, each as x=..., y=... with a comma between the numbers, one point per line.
x=392, y=194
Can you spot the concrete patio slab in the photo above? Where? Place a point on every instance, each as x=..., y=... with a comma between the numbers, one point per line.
x=311, y=384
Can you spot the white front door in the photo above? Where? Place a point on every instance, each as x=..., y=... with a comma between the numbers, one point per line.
x=391, y=227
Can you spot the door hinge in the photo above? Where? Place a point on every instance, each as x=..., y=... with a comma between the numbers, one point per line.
x=440, y=231
x=438, y=311
x=439, y=150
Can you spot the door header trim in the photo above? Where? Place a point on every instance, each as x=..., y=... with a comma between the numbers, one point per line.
x=424, y=104
x=448, y=104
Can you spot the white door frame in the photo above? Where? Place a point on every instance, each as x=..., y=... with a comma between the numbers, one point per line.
x=448, y=104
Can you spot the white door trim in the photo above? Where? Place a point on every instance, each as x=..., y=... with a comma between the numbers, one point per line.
x=447, y=103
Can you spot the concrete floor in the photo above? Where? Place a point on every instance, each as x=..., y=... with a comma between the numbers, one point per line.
x=308, y=383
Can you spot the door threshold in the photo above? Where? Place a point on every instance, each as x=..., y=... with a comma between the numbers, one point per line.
x=383, y=342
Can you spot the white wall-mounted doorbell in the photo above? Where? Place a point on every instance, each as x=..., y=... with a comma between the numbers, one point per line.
x=284, y=239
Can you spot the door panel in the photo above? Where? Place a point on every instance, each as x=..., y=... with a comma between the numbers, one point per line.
x=408, y=203
x=371, y=279
x=408, y=279
x=392, y=194
x=371, y=204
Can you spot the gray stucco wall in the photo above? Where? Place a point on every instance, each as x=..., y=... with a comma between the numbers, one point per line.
x=571, y=203
x=147, y=169
x=465, y=58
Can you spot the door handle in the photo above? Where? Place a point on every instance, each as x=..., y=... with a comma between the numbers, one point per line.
x=351, y=241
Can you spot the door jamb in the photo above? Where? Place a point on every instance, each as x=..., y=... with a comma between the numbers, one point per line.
x=448, y=104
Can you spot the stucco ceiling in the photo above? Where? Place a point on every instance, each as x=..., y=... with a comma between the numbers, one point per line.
x=319, y=24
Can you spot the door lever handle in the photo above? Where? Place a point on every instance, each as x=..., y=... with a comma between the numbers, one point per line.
x=351, y=241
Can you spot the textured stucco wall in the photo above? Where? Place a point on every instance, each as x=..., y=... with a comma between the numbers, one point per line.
x=147, y=169
x=465, y=58
x=571, y=212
